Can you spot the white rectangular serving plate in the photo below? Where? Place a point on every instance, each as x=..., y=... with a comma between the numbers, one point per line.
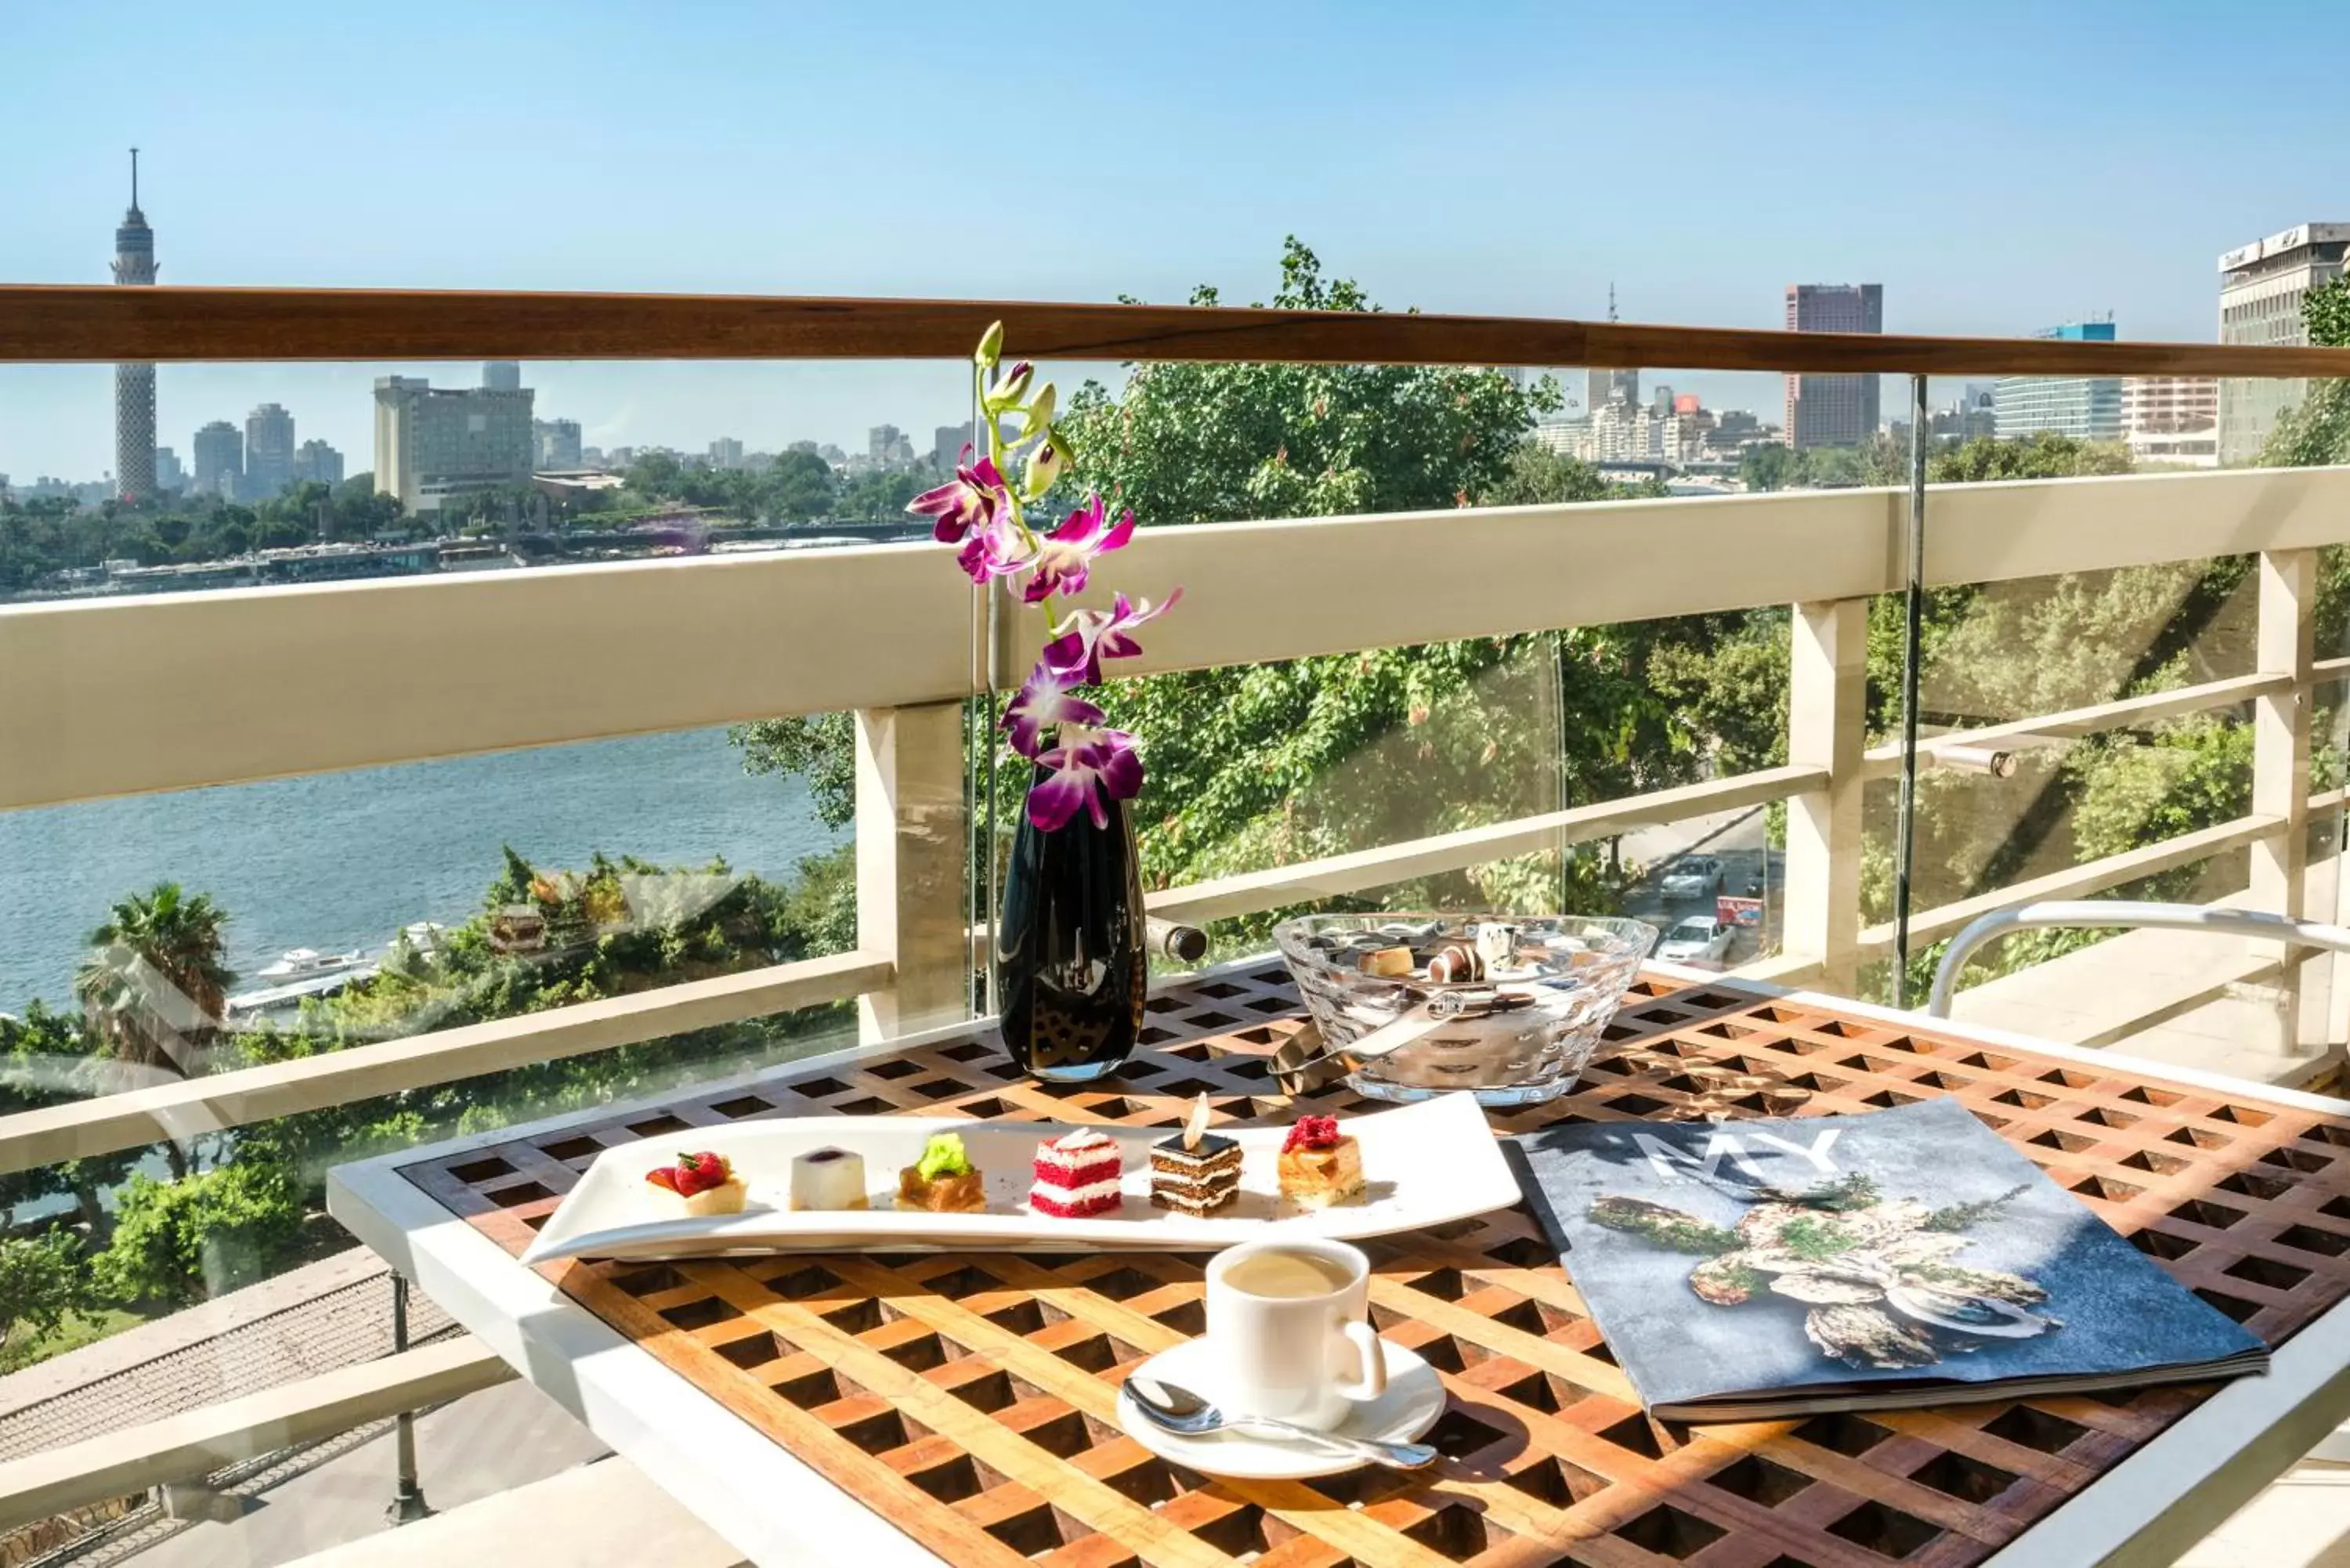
x=1423, y=1165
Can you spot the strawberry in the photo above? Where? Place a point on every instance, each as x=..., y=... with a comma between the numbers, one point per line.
x=693, y=1173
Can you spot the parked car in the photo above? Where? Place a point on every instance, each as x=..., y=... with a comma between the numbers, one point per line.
x=1693, y=876
x=1701, y=938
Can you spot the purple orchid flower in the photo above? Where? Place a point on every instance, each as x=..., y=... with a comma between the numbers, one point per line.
x=1088, y=773
x=1089, y=637
x=1044, y=702
x=1064, y=557
x=973, y=499
x=993, y=550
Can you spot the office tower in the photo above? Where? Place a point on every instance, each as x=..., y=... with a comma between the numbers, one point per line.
x=947, y=442
x=889, y=447
x=220, y=461
x=726, y=453
x=502, y=376
x=2262, y=287
x=134, y=385
x=268, y=451
x=557, y=442
x=1833, y=410
x=315, y=462
x=2086, y=407
x=169, y=474
x=433, y=443
x=2171, y=421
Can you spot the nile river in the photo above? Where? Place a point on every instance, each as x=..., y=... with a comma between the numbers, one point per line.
x=343, y=860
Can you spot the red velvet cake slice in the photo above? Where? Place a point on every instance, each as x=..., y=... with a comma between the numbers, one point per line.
x=1076, y=1175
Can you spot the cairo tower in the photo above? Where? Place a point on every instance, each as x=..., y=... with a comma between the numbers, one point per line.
x=134, y=385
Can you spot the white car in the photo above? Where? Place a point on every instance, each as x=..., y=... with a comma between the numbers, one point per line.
x=1693, y=876
x=1701, y=938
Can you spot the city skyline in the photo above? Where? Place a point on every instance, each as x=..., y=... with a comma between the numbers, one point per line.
x=1962, y=157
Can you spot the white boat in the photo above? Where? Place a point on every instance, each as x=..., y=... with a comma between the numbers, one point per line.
x=423, y=936
x=308, y=963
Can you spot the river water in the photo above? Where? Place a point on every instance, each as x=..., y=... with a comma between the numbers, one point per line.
x=343, y=860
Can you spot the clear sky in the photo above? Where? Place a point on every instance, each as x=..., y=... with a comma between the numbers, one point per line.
x=1999, y=167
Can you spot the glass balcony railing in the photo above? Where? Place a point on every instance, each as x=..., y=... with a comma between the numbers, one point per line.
x=657, y=769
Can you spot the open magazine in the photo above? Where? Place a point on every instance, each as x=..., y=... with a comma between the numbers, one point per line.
x=1753, y=1270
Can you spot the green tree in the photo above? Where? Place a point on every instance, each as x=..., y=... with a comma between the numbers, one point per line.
x=799, y=486
x=155, y=985
x=179, y=1241
x=2045, y=455
x=39, y=1284
x=2318, y=431
x=1766, y=465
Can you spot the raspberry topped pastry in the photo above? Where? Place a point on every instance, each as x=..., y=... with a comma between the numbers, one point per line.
x=705, y=1182
x=1076, y=1175
x=1320, y=1166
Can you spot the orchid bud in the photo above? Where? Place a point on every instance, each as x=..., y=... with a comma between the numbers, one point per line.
x=991, y=348
x=1010, y=388
x=1045, y=466
x=1039, y=411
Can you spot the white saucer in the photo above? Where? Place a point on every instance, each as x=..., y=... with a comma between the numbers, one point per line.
x=1413, y=1403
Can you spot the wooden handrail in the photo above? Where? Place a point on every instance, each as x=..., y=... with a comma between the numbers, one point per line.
x=101, y=323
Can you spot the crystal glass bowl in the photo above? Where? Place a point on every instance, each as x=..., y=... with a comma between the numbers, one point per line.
x=1507, y=1007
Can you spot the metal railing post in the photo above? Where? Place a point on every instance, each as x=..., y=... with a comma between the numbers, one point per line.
x=1913, y=614
x=408, y=1505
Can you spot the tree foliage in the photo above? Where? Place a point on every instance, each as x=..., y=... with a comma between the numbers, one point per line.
x=2318, y=431
x=181, y=1241
x=40, y=1283
x=154, y=986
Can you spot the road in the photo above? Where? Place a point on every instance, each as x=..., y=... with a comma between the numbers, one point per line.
x=1736, y=838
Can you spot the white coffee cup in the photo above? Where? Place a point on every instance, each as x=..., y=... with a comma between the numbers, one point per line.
x=1290, y=1323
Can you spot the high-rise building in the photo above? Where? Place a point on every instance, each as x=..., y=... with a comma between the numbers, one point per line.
x=726, y=453
x=502, y=376
x=1833, y=410
x=315, y=462
x=2165, y=405
x=433, y=443
x=169, y=474
x=557, y=442
x=268, y=451
x=2262, y=287
x=947, y=442
x=2085, y=408
x=2171, y=421
x=134, y=385
x=220, y=461
x=888, y=446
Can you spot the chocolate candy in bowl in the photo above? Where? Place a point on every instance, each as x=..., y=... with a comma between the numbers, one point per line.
x=1510, y=1009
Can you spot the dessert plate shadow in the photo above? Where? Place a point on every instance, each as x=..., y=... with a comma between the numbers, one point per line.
x=1424, y=1164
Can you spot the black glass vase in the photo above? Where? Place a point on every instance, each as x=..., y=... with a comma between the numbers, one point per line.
x=1071, y=969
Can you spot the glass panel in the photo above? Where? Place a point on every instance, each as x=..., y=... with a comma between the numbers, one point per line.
x=367, y=905
x=2023, y=814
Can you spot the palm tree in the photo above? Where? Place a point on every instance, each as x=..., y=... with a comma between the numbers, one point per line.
x=154, y=989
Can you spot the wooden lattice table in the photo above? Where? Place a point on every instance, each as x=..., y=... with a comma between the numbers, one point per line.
x=967, y=1399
